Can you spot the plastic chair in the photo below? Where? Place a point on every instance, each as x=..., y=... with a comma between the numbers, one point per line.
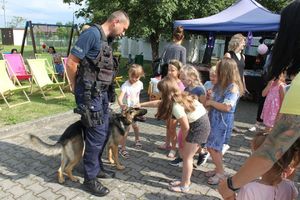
x=41, y=78
x=153, y=91
x=7, y=87
x=16, y=67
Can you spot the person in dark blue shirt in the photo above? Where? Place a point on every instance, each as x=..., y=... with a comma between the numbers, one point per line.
x=90, y=86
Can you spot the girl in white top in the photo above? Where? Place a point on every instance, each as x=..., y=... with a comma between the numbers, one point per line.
x=129, y=97
x=272, y=185
x=193, y=120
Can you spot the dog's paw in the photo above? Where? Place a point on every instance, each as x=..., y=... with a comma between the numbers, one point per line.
x=74, y=179
x=61, y=180
x=120, y=167
x=111, y=161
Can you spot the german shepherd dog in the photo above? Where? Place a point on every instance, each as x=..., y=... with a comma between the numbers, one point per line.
x=71, y=143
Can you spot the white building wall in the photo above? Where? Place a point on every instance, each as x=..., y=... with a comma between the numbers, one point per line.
x=195, y=48
x=18, y=37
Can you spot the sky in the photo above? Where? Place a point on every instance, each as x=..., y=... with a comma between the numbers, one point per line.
x=38, y=11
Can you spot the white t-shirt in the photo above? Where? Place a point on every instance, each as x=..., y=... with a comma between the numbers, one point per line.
x=285, y=190
x=132, y=92
x=178, y=111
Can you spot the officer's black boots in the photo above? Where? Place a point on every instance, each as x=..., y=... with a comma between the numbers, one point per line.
x=95, y=188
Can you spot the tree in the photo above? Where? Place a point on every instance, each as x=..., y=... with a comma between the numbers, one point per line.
x=16, y=22
x=153, y=19
x=274, y=6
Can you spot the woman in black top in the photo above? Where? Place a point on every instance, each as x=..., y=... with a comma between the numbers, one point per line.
x=235, y=48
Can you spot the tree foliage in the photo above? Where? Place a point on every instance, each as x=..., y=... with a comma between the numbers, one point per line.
x=153, y=19
x=17, y=22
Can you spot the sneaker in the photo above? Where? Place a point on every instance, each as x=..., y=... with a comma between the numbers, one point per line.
x=95, y=188
x=225, y=148
x=177, y=162
x=202, y=158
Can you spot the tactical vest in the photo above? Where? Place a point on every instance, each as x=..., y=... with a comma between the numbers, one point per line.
x=97, y=74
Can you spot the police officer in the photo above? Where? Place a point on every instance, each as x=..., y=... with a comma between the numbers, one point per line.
x=90, y=68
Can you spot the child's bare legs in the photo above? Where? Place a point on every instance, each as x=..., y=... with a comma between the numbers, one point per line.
x=189, y=150
x=123, y=151
x=268, y=129
x=137, y=135
x=123, y=140
x=136, y=131
x=172, y=133
x=166, y=145
x=217, y=158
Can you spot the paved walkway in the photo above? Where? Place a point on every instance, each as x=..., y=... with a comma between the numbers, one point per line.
x=27, y=173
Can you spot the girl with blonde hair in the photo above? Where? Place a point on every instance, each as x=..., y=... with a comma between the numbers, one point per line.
x=227, y=91
x=235, y=51
x=129, y=97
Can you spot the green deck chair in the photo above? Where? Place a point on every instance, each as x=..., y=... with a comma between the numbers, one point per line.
x=41, y=78
x=7, y=87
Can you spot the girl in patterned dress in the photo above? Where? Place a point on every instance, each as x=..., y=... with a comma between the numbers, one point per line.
x=226, y=93
x=275, y=93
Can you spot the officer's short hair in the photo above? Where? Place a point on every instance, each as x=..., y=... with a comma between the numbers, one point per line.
x=119, y=14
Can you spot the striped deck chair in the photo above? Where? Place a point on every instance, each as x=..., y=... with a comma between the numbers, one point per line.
x=41, y=78
x=16, y=67
x=50, y=64
x=7, y=87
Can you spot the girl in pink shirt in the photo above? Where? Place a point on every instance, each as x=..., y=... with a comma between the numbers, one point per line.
x=272, y=185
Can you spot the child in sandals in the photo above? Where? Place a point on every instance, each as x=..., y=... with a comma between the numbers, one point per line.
x=193, y=120
x=129, y=97
x=227, y=91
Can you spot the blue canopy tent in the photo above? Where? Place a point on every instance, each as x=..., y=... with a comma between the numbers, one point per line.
x=242, y=16
x=246, y=16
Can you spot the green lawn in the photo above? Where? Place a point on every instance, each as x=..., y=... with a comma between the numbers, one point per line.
x=38, y=107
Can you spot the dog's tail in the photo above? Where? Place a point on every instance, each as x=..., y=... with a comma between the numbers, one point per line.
x=48, y=149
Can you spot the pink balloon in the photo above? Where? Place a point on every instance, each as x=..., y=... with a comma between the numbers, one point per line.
x=262, y=49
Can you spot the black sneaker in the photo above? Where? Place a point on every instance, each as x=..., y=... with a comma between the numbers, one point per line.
x=95, y=188
x=202, y=158
x=177, y=162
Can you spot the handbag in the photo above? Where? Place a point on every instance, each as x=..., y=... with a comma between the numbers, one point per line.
x=159, y=66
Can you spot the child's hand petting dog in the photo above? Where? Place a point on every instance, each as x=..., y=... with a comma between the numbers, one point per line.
x=123, y=107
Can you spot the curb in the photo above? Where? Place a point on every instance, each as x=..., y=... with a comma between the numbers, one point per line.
x=13, y=130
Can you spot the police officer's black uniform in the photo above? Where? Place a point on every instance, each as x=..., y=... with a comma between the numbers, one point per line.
x=94, y=77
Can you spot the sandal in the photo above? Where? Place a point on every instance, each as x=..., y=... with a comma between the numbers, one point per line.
x=181, y=189
x=215, y=180
x=172, y=154
x=138, y=144
x=124, y=153
x=164, y=147
x=210, y=173
x=175, y=183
